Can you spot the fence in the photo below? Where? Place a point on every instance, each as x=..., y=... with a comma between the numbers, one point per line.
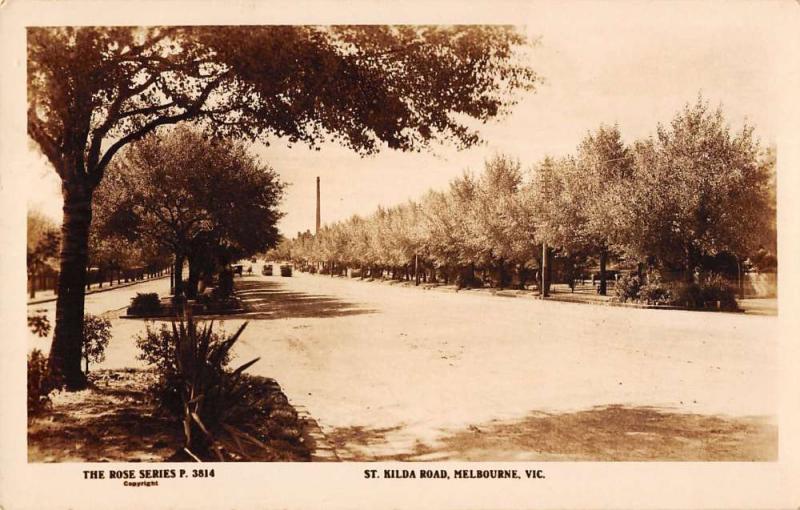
x=49, y=281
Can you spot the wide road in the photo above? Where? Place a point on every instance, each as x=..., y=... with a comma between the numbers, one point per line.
x=389, y=371
x=404, y=373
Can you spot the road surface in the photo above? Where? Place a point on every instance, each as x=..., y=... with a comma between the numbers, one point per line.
x=398, y=373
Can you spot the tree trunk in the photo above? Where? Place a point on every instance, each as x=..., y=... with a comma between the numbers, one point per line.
x=603, y=284
x=178, y=275
x=194, y=278
x=65, y=351
x=739, y=278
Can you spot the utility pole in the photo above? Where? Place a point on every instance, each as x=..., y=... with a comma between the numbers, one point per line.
x=544, y=290
x=318, y=215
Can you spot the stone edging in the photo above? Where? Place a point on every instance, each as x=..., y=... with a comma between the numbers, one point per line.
x=322, y=449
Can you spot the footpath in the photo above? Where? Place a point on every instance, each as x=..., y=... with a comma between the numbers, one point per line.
x=49, y=296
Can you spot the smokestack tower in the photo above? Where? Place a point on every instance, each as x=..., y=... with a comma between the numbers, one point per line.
x=317, y=231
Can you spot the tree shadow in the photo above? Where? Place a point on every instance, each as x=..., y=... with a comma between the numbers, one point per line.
x=603, y=433
x=266, y=300
x=110, y=422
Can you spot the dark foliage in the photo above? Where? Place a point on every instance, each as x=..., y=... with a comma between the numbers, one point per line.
x=39, y=324
x=145, y=304
x=628, y=287
x=197, y=386
x=39, y=382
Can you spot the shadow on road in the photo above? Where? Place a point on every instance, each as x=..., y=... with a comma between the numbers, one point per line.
x=270, y=300
x=607, y=433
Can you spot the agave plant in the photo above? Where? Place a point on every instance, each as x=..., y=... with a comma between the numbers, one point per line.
x=213, y=397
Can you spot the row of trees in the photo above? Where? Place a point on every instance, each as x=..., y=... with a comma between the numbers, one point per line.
x=684, y=200
x=109, y=256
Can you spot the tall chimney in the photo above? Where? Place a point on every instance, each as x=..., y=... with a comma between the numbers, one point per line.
x=317, y=231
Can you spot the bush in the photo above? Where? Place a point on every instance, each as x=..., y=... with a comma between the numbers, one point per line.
x=198, y=388
x=39, y=324
x=705, y=294
x=39, y=382
x=96, y=334
x=715, y=289
x=468, y=279
x=628, y=288
x=686, y=295
x=157, y=349
x=654, y=292
x=145, y=304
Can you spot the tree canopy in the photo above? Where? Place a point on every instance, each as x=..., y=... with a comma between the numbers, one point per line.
x=94, y=89
x=228, y=200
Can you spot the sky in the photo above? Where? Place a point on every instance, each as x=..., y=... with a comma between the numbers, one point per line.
x=631, y=63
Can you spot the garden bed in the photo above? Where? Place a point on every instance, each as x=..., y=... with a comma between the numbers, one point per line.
x=167, y=310
x=117, y=420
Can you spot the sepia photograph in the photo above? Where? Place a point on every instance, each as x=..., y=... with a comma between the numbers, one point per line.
x=458, y=251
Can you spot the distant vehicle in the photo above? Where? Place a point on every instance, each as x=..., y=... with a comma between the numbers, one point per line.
x=286, y=270
x=267, y=270
x=238, y=269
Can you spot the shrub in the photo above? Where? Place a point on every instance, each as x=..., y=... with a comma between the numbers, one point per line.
x=714, y=288
x=654, y=292
x=686, y=294
x=468, y=279
x=705, y=294
x=628, y=288
x=96, y=334
x=145, y=304
x=198, y=387
x=157, y=349
x=39, y=382
x=39, y=324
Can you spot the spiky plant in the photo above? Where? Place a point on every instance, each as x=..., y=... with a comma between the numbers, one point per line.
x=214, y=398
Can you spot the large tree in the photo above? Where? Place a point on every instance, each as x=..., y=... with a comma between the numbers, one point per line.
x=93, y=90
x=226, y=205
x=697, y=190
x=603, y=170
